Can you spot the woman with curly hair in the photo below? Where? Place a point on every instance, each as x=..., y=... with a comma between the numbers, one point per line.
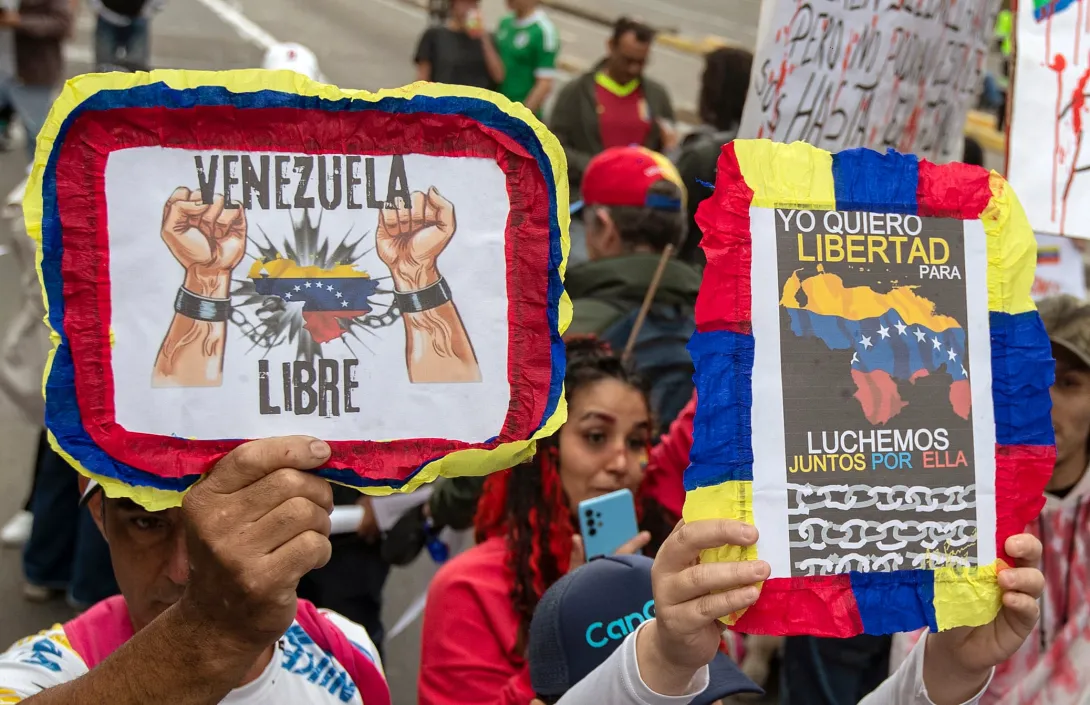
x=477, y=618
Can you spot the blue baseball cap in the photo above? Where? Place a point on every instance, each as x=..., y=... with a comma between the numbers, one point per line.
x=585, y=616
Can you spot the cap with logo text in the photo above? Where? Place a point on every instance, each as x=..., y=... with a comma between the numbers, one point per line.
x=585, y=616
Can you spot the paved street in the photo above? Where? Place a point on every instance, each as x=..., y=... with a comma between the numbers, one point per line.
x=360, y=44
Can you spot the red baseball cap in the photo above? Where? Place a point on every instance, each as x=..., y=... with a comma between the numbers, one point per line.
x=622, y=176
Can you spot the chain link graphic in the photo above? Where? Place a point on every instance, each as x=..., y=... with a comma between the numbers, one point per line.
x=808, y=498
x=818, y=534
x=874, y=563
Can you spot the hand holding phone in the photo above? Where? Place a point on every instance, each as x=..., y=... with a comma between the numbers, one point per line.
x=607, y=523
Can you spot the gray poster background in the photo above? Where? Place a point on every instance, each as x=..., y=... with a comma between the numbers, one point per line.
x=818, y=392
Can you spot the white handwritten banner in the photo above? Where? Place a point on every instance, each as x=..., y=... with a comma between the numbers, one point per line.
x=1047, y=160
x=870, y=73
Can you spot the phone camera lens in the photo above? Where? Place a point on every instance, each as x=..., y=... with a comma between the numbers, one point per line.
x=590, y=522
x=592, y=532
x=590, y=512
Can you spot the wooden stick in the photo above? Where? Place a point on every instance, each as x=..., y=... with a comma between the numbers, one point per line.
x=648, y=299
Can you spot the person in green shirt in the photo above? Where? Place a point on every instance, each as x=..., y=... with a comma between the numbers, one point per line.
x=527, y=42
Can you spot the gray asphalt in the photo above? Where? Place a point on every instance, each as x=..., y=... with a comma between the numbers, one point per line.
x=360, y=44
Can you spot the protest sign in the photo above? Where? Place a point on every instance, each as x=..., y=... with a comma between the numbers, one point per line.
x=872, y=383
x=229, y=256
x=869, y=74
x=1046, y=158
x=1060, y=269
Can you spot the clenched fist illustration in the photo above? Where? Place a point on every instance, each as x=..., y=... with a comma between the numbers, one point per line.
x=207, y=239
x=411, y=237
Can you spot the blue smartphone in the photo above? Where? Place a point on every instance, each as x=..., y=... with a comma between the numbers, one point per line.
x=607, y=523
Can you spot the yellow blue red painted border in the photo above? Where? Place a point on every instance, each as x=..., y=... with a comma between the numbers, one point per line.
x=254, y=88
x=759, y=173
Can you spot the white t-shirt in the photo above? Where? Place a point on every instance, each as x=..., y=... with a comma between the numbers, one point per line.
x=299, y=671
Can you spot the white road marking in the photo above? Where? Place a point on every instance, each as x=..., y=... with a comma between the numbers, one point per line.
x=231, y=14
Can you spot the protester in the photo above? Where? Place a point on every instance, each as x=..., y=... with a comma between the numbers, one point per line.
x=634, y=206
x=723, y=92
x=1050, y=666
x=122, y=33
x=477, y=618
x=459, y=51
x=666, y=659
x=584, y=618
x=208, y=608
x=614, y=104
x=528, y=43
x=41, y=26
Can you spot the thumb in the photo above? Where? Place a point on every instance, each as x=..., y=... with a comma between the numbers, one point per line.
x=635, y=544
x=252, y=461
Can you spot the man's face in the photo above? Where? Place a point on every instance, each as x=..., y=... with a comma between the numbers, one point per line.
x=1070, y=405
x=148, y=553
x=522, y=6
x=461, y=9
x=627, y=58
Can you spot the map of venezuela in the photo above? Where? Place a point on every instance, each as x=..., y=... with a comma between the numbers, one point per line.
x=894, y=337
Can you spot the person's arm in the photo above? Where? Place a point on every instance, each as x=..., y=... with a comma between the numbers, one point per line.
x=409, y=241
x=618, y=681
x=255, y=525
x=545, y=68
x=54, y=22
x=209, y=241
x=425, y=55
x=539, y=93
x=566, y=123
x=175, y=659
x=492, y=59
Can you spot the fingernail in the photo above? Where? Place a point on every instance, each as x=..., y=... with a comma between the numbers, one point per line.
x=761, y=570
x=751, y=594
x=749, y=533
x=320, y=449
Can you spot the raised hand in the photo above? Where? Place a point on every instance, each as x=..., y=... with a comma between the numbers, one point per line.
x=256, y=525
x=411, y=237
x=958, y=661
x=207, y=239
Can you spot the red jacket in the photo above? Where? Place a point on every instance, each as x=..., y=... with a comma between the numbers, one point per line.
x=470, y=629
x=664, y=481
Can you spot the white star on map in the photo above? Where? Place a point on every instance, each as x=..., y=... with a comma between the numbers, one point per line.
x=901, y=327
x=855, y=357
x=288, y=295
x=953, y=355
x=344, y=304
x=329, y=288
x=920, y=335
x=866, y=343
x=307, y=285
x=297, y=288
x=936, y=343
x=884, y=332
x=338, y=294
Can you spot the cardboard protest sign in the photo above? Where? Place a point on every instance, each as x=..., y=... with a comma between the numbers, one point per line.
x=1060, y=268
x=229, y=256
x=842, y=75
x=1046, y=158
x=873, y=385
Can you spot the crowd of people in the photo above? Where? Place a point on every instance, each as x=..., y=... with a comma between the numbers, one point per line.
x=241, y=596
